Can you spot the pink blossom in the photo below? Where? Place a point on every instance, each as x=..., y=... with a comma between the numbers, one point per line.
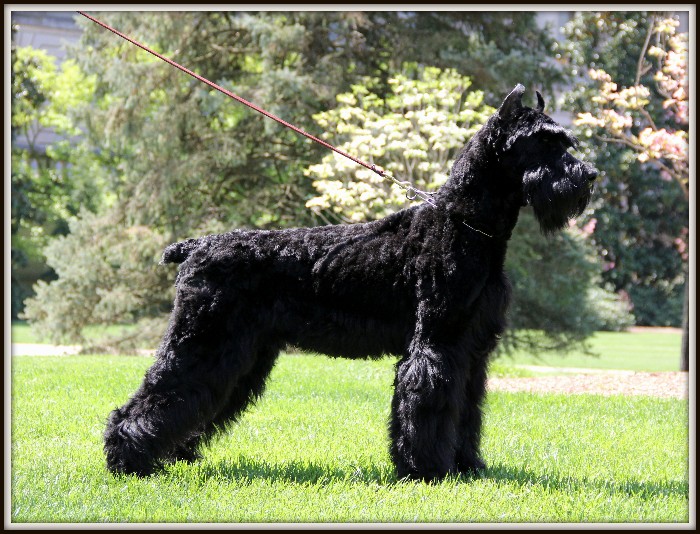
x=626, y=299
x=588, y=119
x=665, y=176
x=663, y=144
x=681, y=243
x=589, y=227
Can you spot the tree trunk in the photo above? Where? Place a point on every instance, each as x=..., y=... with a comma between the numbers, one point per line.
x=684, y=343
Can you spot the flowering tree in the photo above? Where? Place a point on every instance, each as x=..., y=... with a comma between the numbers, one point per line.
x=413, y=134
x=621, y=115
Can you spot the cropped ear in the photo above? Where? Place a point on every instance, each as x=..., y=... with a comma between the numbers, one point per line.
x=540, y=102
x=513, y=102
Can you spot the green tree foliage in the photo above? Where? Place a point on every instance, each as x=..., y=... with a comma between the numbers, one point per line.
x=495, y=49
x=413, y=133
x=641, y=213
x=106, y=274
x=47, y=187
x=193, y=159
x=559, y=298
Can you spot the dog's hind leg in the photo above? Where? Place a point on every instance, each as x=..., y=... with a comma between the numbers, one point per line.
x=170, y=413
x=207, y=349
x=246, y=391
x=193, y=389
x=166, y=412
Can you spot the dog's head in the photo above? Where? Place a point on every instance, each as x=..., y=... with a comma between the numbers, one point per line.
x=535, y=149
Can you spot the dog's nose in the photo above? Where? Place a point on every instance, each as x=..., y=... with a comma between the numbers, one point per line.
x=591, y=174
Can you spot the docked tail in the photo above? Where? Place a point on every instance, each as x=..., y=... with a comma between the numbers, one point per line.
x=178, y=252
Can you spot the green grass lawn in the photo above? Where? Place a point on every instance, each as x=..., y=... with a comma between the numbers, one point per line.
x=24, y=333
x=638, y=351
x=314, y=449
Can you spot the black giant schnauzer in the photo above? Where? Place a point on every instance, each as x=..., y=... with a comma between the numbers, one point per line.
x=425, y=283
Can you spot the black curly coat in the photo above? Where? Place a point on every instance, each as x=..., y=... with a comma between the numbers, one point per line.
x=424, y=283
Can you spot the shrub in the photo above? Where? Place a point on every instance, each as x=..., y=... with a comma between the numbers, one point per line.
x=108, y=273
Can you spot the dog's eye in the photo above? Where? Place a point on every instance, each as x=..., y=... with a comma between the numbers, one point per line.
x=552, y=143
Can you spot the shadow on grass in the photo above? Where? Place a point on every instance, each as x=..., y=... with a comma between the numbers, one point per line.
x=300, y=472
x=523, y=477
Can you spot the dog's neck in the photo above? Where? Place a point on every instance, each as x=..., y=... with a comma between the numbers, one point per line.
x=477, y=192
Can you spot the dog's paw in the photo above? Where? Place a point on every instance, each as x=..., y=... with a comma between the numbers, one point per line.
x=471, y=467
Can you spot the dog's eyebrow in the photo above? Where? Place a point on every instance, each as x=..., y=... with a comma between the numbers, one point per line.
x=559, y=131
x=546, y=129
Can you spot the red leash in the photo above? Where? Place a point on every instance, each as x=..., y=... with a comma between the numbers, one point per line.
x=410, y=189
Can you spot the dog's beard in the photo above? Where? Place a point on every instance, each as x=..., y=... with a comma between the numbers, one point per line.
x=555, y=201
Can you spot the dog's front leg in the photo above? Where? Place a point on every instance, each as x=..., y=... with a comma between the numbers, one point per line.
x=469, y=460
x=425, y=413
